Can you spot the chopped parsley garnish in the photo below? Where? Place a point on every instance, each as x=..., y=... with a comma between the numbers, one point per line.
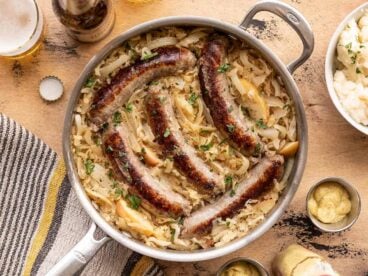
x=126, y=166
x=232, y=192
x=114, y=184
x=230, y=128
x=357, y=70
x=353, y=58
x=134, y=201
x=104, y=126
x=172, y=232
x=109, y=149
x=204, y=131
x=119, y=192
x=153, y=83
x=245, y=111
x=261, y=124
x=121, y=153
x=361, y=46
x=223, y=141
x=167, y=133
x=133, y=54
x=97, y=140
x=146, y=56
x=287, y=107
x=89, y=166
x=193, y=98
x=128, y=107
x=354, y=55
x=230, y=108
x=206, y=147
x=228, y=223
x=90, y=82
x=143, y=150
x=116, y=118
x=228, y=180
x=258, y=149
x=162, y=99
x=223, y=68
x=348, y=47
x=181, y=221
x=127, y=46
x=110, y=174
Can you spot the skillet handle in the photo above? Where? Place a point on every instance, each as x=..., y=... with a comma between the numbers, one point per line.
x=79, y=255
x=294, y=18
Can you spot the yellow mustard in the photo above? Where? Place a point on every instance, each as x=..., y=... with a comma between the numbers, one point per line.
x=329, y=203
x=241, y=268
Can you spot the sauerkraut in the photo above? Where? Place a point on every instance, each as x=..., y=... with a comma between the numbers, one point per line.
x=257, y=92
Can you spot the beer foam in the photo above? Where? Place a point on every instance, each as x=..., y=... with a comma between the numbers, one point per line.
x=18, y=22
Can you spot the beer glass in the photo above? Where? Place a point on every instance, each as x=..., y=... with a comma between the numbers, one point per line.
x=21, y=27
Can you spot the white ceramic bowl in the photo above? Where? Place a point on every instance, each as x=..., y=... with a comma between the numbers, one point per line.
x=330, y=67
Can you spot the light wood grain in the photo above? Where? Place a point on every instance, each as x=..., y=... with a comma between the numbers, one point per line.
x=335, y=148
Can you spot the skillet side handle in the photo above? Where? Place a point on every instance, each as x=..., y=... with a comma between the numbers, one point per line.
x=294, y=18
x=79, y=255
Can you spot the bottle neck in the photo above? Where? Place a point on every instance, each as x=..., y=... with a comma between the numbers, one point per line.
x=77, y=7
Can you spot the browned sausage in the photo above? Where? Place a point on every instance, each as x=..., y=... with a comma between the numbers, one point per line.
x=260, y=179
x=167, y=131
x=167, y=61
x=216, y=95
x=127, y=166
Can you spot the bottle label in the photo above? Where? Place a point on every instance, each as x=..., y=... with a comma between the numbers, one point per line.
x=98, y=32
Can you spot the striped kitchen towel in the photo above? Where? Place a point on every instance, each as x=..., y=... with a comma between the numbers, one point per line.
x=40, y=216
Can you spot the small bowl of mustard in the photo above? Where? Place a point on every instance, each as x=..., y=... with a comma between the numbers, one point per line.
x=242, y=267
x=333, y=205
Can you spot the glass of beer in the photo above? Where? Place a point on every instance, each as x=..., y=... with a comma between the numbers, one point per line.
x=21, y=27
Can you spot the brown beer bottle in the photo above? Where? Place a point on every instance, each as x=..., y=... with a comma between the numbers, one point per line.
x=85, y=20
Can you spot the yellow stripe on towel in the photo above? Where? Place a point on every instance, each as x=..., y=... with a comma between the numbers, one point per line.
x=142, y=266
x=46, y=217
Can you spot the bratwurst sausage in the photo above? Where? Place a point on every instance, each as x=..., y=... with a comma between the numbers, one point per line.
x=260, y=179
x=216, y=95
x=167, y=61
x=128, y=167
x=166, y=128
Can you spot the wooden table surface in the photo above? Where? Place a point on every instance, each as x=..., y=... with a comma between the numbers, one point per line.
x=335, y=148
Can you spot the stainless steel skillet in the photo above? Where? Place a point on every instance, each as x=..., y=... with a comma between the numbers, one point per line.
x=88, y=246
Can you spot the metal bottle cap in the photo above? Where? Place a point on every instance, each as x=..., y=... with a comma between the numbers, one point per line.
x=51, y=88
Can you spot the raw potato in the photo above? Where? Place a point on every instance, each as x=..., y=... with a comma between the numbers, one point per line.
x=134, y=219
x=290, y=149
x=256, y=104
